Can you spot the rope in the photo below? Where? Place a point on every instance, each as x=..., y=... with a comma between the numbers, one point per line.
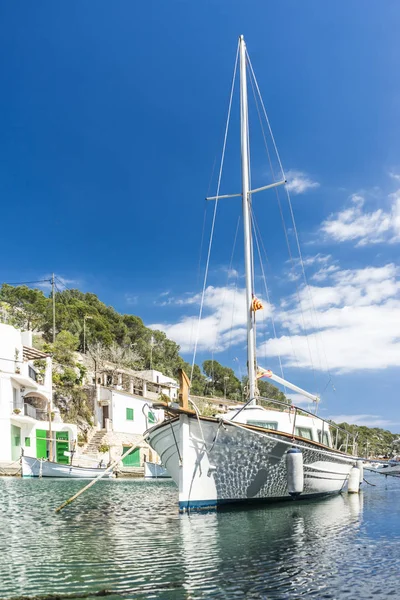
x=221, y=312
x=266, y=291
x=291, y=214
x=282, y=215
x=373, y=484
x=215, y=213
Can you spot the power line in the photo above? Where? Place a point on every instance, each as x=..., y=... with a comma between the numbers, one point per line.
x=26, y=282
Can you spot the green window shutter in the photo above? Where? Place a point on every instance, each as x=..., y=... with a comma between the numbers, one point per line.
x=129, y=414
x=27, y=442
x=152, y=418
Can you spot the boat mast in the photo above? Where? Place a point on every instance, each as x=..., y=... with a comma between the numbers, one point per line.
x=246, y=203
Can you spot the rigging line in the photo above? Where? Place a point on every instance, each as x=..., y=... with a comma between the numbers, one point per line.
x=267, y=261
x=290, y=207
x=200, y=253
x=215, y=211
x=252, y=77
x=233, y=314
x=226, y=287
x=266, y=290
x=285, y=233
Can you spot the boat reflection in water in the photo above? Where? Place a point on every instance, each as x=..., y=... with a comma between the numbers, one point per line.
x=289, y=547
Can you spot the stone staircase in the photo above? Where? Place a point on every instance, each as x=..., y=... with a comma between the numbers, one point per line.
x=95, y=442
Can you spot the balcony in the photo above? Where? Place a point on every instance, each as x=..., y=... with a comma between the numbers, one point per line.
x=27, y=410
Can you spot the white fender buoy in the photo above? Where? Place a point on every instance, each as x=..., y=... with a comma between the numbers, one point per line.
x=353, y=486
x=295, y=472
x=360, y=465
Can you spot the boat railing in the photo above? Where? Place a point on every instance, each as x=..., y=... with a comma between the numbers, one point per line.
x=341, y=439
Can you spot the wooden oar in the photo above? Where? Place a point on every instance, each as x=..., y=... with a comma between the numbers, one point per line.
x=114, y=464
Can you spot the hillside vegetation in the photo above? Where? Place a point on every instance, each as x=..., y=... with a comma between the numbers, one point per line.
x=127, y=342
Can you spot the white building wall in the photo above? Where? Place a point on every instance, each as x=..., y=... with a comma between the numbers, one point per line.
x=14, y=375
x=5, y=412
x=120, y=402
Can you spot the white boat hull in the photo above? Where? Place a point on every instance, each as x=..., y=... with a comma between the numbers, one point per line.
x=36, y=467
x=238, y=464
x=154, y=470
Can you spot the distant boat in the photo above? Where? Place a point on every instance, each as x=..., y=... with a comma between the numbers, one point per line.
x=392, y=467
x=251, y=454
x=155, y=471
x=37, y=467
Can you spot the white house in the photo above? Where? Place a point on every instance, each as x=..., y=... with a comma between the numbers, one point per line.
x=155, y=383
x=124, y=417
x=26, y=402
x=123, y=411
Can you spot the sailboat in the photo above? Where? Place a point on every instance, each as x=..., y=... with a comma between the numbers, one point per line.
x=252, y=454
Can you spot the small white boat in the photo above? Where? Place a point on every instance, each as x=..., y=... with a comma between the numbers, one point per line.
x=389, y=468
x=37, y=467
x=155, y=471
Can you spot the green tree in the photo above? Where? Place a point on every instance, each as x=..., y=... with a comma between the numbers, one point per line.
x=26, y=306
x=198, y=382
x=222, y=381
x=64, y=347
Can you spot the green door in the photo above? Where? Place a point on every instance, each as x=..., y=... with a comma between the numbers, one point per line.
x=62, y=446
x=133, y=459
x=15, y=442
x=41, y=443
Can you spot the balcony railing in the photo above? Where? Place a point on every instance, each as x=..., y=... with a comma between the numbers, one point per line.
x=29, y=411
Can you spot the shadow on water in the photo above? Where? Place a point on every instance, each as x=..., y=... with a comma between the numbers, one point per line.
x=125, y=539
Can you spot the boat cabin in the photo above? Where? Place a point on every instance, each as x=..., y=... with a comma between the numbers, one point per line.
x=308, y=427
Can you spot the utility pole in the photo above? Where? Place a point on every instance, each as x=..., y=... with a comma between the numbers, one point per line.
x=84, y=332
x=151, y=352
x=50, y=431
x=49, y=406
x=54, y=307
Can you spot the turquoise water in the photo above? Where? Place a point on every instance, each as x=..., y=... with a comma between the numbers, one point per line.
x=124, y=539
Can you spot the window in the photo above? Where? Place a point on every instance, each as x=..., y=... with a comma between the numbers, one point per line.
x=152, y=417
x=323, y=440
x=304, y=432
x=32, y=373
x=265, y=424
x=27, y=442
x=129, y=414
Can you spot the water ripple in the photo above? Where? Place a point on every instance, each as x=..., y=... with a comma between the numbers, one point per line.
x=125, y=539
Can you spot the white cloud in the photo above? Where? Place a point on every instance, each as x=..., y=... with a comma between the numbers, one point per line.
x=299, y=182
x=223, y=323
x=131, y=299
x=299, y=399
x=356, y=224
x=357, y=325
x=324, y=273
x=368, y=420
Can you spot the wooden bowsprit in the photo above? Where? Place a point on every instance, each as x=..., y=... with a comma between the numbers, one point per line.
x=112, y=466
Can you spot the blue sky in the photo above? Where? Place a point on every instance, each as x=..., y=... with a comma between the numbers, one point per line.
x=111, y=126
